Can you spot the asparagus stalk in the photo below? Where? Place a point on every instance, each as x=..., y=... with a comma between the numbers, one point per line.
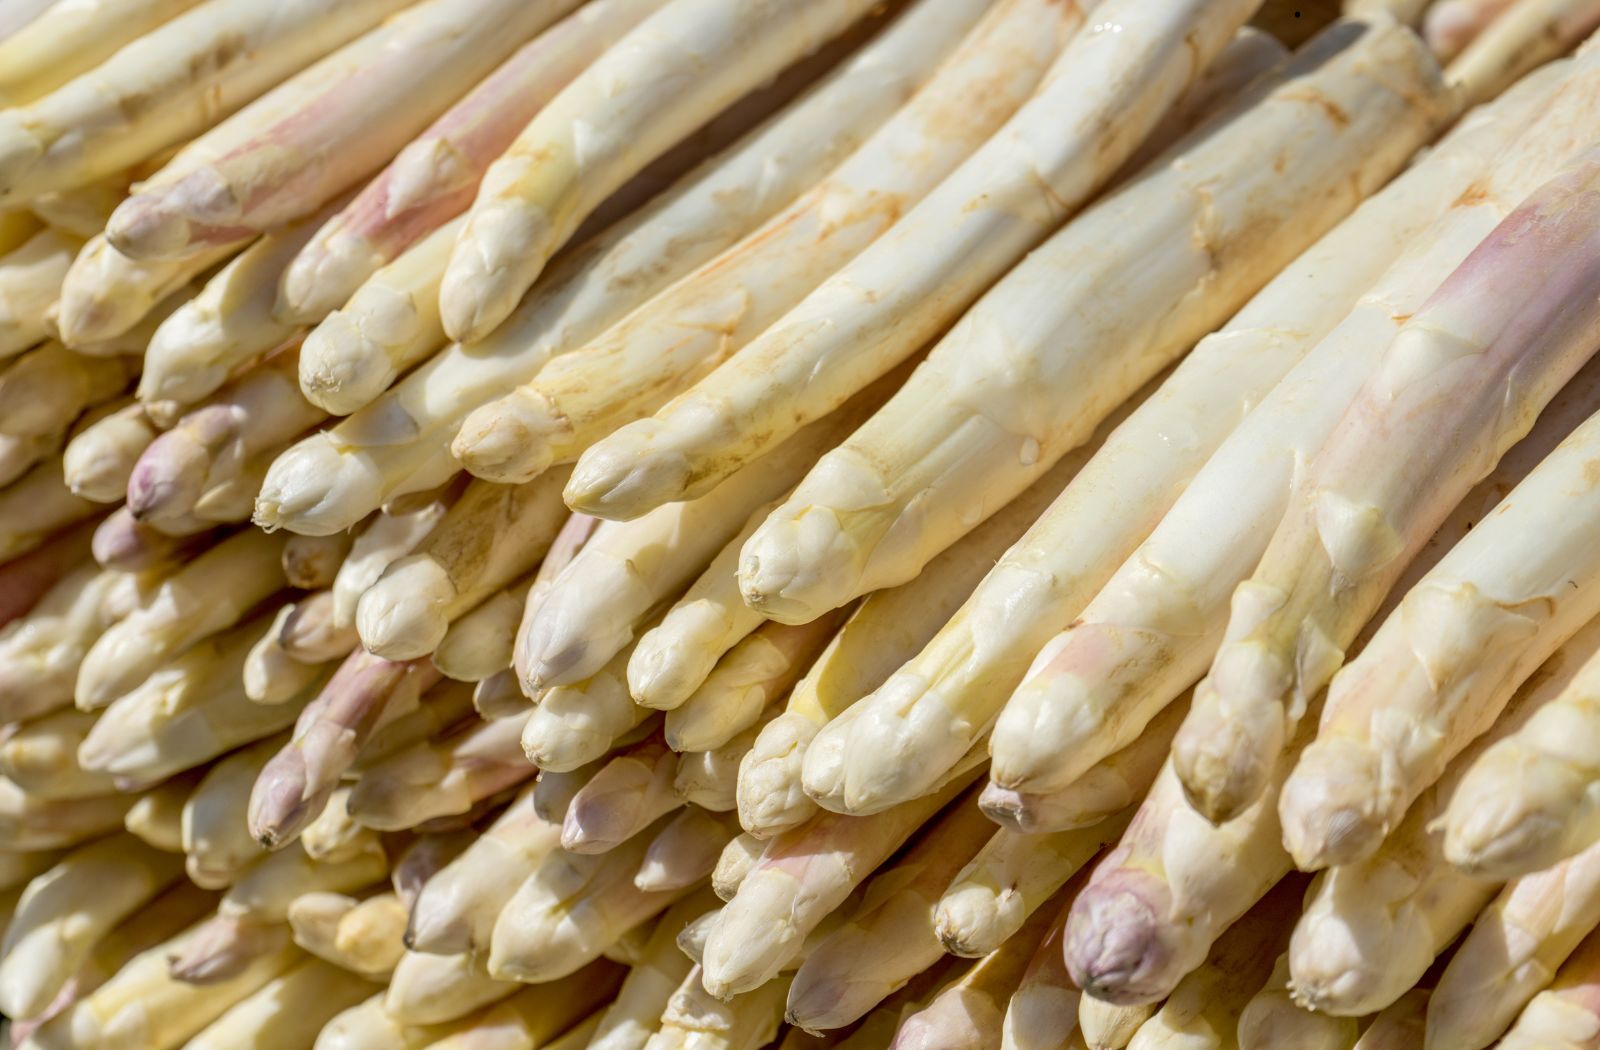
x=439, y=710
x=992, y=898
x=312, y=562
x=287, y=1012
x=759, y=670
x=20, y=454
x=49, y=52
x=294, y=786
x=802, y=876
x=18, y=868
x=457, y=908
x=595, y=607
x=40, y=653
x=908, y=285
x=351, y=112
x=309, y=635
x=710, y=779
x=363, y=937
x=1566, y=1015
x=1047, y=577
x=65, y=911
x=1107, y=1026
x=630, y=1020
x=184, y=714
x=575, y=724
x=1523, y=37
x=130, y=547
x=209, y=594
x=335, y=834
x=211, y=444
x=31, y=276
x=625, y=796
x=51, y=383
x=432, y=179
x=1351, y=528
x=25, y=580
x=684, y=853
x=1272, y=1018
x=167, y=86
x=271, y=674
x=441, y=778
x=263, y=893
x=433, y=989
x=367, y=1026
x=28, y=822
x=479, y=644
x=398, y=443
x=100, y=458
x=106, y=295
x=156, y=818
x=891, y=938
x=570, y=910
x=41, y=757
x=737, y=860
x=684, y=332
x=388, y=537
x=1043, y=1011
x=1450, y=25
x=554, y=174
x=531, y=1019
x=36, y=507
x=1445, y=662
x=492, y=535
x=144, y=1007
x=216, y=842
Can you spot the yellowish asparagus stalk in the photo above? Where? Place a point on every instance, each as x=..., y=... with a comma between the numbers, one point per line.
x=264, y=892
x=40, y=653
x=479, y=645
x=457, y=908
x=49, y=52
x=442, y=778
x=1351, y=528
x=363, y=937
x=29, y=823
x=633, y=1015
x=107, y=297
x=439, y=710
x=891, y=938
x=681, y=334
x=100, y=458
x=335, y=834
x=531, y=1019
x=157, y=817
x=991, y=898
x=19, y=454
x=685, y=852
x=737, y=859
x=625, y=796
x=576, y=724
x=41, y=757
x=711, y=778
x=271, y=674
x=38, y=506
x=1450, y=25
x=434, y=989
x=312, y=562
x=287, y=1012
x=492, y=535
x=907, y=286
x=1566, y=1015
x=389, y=536
x=31, y=276
x=1043, y=1011
x=1524, y=36
x=399, y=443
x=51, y=383
x=216, y=841
x=65, y=911
x=308, y=633
x=184, y=75
x=1272, y=1019
x=801, y=877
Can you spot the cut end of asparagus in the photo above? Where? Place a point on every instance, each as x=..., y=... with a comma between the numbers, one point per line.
x=627, y=474
x=1330, y=806
x=314, y=490
x=510, y=440
x=798, y=565
x=1116, y=946
x=497, y=257
x=404, y=616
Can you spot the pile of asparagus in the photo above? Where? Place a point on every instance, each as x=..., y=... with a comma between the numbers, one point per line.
x=711, y=524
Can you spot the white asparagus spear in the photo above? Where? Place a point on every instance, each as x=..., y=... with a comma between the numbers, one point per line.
x=594, y=608
x=758, y=671
x=433, y=178
x=18, y=455
x=1272, y=1019
x=1445, y=662
x=531, y=1019
x=878, y=506
x=398, y=443
x=143, y=1007
x=29, y=823
x=908, y=285
x=991, y=898
x=184, y=76
x=184, y=714
x=710, y=779
x=445, y=777
x=1525, y=36
x=65, y=911
x=1450, y=25
x=263, y=893
x=25, y=580
x=1407, y=11
x=1044, y=1009
x=389, y=536
x=41, y=757
x=1351, y=528
x=287, y=1012
x=208, y=594
x=31, y=276
x=684, y=853
x=456, y=909
x=271, y=673
x=156, y=818
x=132, y=548
x=76, y=37
x=433, y=989
x=367, y=1026
x=106, y=296
x=363, y=937
x=625, y=796
x=38, y=506
x=1110, y=1027
x=212, y=442
x=18, y=868
x=493, y=534
x=51, y=383
x=100, y=458
x=694, y=1019
x=479, y=644
x=312, y=562
x=890, y=938
x=362, y=694
x=646, y=92
x=437, y=712
x=1566, y=1015
x=1514, y=949
x=308, y=633
x=222, y=945
x=803, y=875
x=335, y=834
x=682, y=333
x=575, y=724
x=216, y=841
x=39, y=654
x=633, y=1015
x=1074, y=547
x=352, y=111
